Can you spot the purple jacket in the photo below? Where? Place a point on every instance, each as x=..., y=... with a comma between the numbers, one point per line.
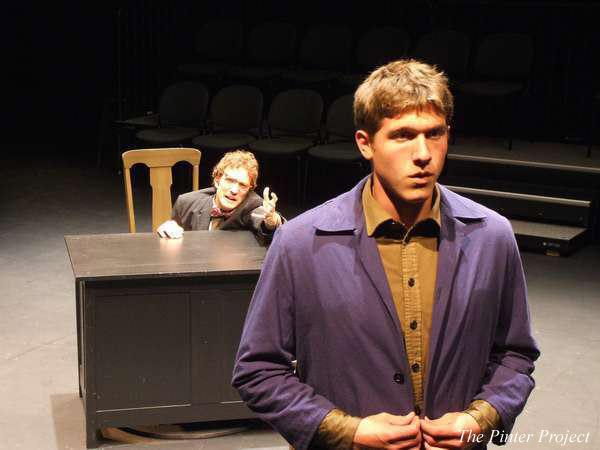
x=323, y=299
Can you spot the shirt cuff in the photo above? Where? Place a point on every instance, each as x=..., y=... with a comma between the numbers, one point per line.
x=485, y=415
x=336, y=431
x=277, y=223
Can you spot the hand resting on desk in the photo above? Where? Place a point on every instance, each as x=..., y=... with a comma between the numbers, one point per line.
x=170, y=229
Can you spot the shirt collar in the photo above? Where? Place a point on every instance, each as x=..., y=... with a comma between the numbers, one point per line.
x=375, y=215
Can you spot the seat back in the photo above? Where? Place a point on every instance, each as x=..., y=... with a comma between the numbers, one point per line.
x=340, y=119
x=326, y=47
x=296, y=112
x=380, y=46
x=220, y=40
x=505, y=56
x=237, y=108
x=160, y=162
x=447, y=49
x=184, y=104
x=271, y=43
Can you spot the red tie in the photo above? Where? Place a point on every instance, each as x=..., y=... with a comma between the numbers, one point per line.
x=218, y=212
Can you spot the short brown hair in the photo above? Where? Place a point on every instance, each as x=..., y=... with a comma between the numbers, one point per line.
x=398, y=86
x=235, y=160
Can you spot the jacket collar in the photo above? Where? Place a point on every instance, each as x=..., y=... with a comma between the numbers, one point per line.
x=346, y=212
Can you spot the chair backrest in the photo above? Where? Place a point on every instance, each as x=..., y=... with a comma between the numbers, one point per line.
x=238, y=108
x=184, y=104
x=326, y=47
x=340, y=119
x=447, y=49
x=296, y=112
x=271, y=43
x=221, y=40
x=381, y=45
x=505, y=56
x=160, y=162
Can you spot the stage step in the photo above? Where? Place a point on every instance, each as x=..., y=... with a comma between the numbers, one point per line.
x=551, y=225
x=554, y=240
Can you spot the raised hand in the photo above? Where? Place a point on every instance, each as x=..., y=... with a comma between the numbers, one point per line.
x=272, y=218
x=170, y=229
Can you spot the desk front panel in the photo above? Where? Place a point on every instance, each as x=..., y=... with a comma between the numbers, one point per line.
x=163, y=345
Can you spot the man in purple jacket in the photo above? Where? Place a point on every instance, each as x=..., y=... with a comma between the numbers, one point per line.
x=403, y=303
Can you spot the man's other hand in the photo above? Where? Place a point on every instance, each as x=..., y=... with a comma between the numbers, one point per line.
x=170, y=229
x=389, y=432
x=455, y=430
x=272, y=218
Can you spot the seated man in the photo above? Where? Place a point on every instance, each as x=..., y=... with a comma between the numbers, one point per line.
x=231, y=204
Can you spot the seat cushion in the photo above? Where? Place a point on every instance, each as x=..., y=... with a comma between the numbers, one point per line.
x=281, y=145
x=339, y=151
x=222, y=141
x=254, y=73
x=167, y=135
x=199, y=69
x=310, y=76
x=490, y=88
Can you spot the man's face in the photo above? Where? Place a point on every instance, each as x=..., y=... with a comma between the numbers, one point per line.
x=232, y=188
x=407, y=153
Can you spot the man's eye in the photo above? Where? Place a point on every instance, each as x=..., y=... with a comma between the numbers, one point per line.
x=404, y=136
x=436, y=134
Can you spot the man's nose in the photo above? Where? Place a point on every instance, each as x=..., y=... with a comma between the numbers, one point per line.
x=421, y=154
x=234, y=188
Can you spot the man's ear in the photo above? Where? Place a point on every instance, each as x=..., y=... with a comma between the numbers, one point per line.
x=216, y=181
x=363, y=141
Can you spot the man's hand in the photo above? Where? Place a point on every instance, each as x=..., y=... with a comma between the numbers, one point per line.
x=455, y=430
x=389, y=432
x=170, y=229
x=272, y=219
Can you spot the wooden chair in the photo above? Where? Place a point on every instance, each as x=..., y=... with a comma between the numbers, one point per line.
x=160, y=162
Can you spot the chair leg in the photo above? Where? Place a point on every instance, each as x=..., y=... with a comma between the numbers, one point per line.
x=299, y=178
x=305, y=188
x=511, y=122
x=591, y=133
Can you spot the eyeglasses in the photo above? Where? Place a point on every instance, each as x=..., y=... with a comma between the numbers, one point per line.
x=230, y=181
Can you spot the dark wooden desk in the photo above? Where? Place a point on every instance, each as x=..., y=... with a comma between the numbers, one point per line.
x=158, y=325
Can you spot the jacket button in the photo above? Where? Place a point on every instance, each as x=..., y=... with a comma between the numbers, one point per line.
x=413, y=325
x=399, y=378
x=416, y=367
x=411, y=282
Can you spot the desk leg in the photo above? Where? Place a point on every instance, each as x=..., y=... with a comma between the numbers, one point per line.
x=92, y=436
x=87, y=352
x=78, y=295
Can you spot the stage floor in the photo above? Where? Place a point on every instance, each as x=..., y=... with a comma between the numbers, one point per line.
x=47, y=197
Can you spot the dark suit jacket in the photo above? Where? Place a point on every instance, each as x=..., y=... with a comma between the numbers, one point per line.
x=192, y=212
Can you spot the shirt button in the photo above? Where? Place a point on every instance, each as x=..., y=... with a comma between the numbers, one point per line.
x=416, y=367
x=417, y=410
x=399, y=378
x=413, y=325
x=411, y=282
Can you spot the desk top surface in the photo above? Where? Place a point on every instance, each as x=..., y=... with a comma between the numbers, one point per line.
x=145, y=255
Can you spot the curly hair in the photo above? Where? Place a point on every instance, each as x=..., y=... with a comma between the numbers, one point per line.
x=398, y=86
x=235, y=160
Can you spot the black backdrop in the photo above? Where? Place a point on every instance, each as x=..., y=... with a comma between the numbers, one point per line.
x=61, y=60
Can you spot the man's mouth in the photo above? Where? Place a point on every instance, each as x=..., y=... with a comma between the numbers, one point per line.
x=421, y=175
